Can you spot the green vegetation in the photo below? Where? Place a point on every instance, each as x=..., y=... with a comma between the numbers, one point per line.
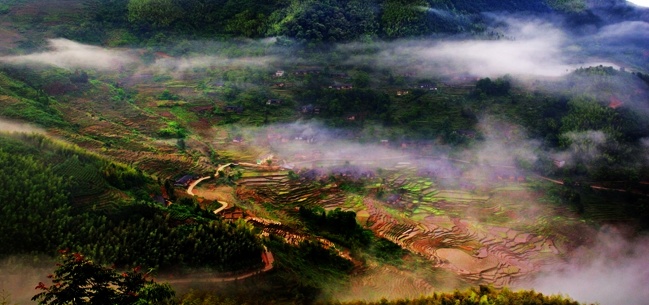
x=22, y=101
x=44, y=198
x=308, y=266
x=479, y=295
x=127, y=22
x=114, y=197
x=78, y=280
x=173, y=130
x=337, y=225
x=35, y=200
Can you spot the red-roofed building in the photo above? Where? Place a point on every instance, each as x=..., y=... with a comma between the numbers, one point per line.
x=615, y=102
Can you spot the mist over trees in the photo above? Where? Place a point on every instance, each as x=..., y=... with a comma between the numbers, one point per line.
x=373, y=124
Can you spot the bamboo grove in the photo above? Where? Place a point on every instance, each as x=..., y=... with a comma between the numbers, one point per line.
x=40, y=215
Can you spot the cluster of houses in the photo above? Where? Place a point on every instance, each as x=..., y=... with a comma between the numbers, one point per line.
x=341, y=86
x=348, y=172
x=427, y=86
x=310, y=109
x=203, y=109
x=232, y=108
x=273, y=101
x=303, y=72
x=338, y=79
x=511, y=175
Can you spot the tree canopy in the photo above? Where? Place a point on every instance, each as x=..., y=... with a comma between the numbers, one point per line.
x=78, y=280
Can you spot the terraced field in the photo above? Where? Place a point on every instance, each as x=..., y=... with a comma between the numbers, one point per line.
x=482, y=237
x=279, y=190
x=493, y=237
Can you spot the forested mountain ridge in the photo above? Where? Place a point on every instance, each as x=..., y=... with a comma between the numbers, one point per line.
x=124, y=22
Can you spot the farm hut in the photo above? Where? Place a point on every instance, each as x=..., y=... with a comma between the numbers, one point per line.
x=341, y=86
x=230, y=108
x=185, y=180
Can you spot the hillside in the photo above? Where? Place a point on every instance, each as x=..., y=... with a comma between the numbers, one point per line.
x=330, y=151
x=123, y=22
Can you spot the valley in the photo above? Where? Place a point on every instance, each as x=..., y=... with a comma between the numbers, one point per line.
x=405, y=150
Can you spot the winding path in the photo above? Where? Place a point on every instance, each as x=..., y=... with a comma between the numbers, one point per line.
x=190, y=189
x=266, y=256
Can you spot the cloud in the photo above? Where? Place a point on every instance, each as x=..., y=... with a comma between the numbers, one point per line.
x=183, y=64
x=68, y=54
x=298, y=143
x=614, y=270
x=13, y=126
x=19, y=276
x=624, y=30
x=528, y=48
x=535, y=49
x=505, y=144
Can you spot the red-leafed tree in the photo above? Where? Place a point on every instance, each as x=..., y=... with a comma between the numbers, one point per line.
x=77, y=280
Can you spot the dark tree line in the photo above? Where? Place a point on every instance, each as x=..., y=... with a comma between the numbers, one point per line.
x=306, y=21
x=78, y=280
x=38, y=216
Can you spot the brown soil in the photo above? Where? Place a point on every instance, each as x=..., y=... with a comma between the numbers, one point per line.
x=210, y=191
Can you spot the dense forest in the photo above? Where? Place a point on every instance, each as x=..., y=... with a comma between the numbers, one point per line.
x=49, y=207
x=128, y=22
x=481, y=295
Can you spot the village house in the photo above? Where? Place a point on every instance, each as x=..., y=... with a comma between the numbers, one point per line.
x=339, y=75
x=279, y=73
x=466, y=133
x=310, y=109
x=273, y=101
x=230, y=108
x=393, y=199
x=615, y=103
x=159, y=199
x=306, y=72
x=427, y=86
x=409, y=74
x=408, y=144
x=341, y=87
x=185, y=181
x=233, y=213
x=203, y=109
x=510, y=175
x=402, y=92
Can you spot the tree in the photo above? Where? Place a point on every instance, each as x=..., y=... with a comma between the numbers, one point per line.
x=329, y=20
x=401, y=18
x=247, y=24
x=158, y=13
x=78, y=280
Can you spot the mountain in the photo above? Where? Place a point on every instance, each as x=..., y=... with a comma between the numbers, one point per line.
x=286, y=151
x=124, y=22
